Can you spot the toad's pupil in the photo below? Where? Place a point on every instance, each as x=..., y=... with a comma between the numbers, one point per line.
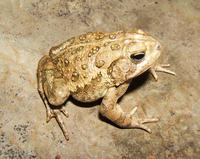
x=138, y=56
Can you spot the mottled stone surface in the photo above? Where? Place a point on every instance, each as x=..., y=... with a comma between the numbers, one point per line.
x=29, y=29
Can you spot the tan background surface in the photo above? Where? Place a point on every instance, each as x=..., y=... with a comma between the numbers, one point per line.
x=28, y=29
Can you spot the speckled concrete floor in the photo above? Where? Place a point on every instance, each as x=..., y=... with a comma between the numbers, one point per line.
x=28, y=29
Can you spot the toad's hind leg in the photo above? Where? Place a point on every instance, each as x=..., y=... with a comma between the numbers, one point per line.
x=53, y=91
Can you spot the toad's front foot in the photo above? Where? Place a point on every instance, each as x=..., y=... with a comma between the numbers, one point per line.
x=160, y=68
x=139, y=123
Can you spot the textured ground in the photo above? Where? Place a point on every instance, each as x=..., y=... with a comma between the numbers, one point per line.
x=28, y=29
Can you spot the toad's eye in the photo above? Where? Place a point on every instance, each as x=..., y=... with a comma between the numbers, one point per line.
x=138, y=56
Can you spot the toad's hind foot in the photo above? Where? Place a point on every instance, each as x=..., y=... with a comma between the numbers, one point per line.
x=50, y=113
x=56, y=113
x=60, y=123
x=139, y=123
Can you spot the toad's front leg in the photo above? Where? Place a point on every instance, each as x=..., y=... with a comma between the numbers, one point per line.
x=113, y=111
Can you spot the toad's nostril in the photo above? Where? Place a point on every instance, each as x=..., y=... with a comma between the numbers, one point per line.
x=158, y=47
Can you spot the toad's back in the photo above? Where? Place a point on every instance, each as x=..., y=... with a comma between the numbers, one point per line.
x=84, y=58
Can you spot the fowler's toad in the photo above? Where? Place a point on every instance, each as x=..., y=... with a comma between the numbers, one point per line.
x=98, y=65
